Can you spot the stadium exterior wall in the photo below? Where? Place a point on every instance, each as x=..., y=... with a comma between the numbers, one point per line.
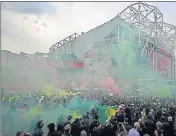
x=161, y=64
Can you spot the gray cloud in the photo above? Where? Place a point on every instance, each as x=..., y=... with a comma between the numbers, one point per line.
x=29, y=7
x=8, y=29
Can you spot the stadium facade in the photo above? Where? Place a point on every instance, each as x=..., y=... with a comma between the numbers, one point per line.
x=143, y=22
x=156, y=38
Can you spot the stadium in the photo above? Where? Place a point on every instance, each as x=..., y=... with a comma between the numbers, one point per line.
x=88, y=57
x=157, y=40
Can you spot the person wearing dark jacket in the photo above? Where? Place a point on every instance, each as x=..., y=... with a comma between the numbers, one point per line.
x=60, y=128
x=75, y=128
x=107, y=130
x=128, y=115
x=96, y=130
x=113, y=124
x=93, y=114
x=86, y=121
x=167, y=128
x=38, y=130
x=52, y=131
x=93, y=124
x=150, y=125
x=83, y=130
x=120, y=117
x=171, y=127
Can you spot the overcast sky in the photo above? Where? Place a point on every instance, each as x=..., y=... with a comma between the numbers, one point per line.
x=35, y=26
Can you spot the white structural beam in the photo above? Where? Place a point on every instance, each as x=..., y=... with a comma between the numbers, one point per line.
x=150, y=21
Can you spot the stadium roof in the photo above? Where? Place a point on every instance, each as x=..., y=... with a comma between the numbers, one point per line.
x=145, y=18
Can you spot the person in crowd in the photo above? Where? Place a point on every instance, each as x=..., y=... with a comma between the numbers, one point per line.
x=126, y=124
x=52, y=131
x=142, y=130
x=75, y=127
x=114, y=125
x=175, y=123
x=150, y=125
x=67, y=130
x=38, y=130
x=93, y=124
x=128, y=115
x=166, y=127
x=21, y=133
x=171, y=125
x=107, y=129
x=134, y=130
x=122, y=130
x=83, y=129
x=69, y=120
x=96, y=131
x=60, y=128
x=86, y=121
x=143, y=114
x=28, y=134
x=93, y=113
x=158, y=133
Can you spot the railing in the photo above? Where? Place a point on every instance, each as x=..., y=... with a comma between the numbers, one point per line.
x=64, y=41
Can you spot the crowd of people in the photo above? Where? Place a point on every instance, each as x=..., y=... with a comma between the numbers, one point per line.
x=148, y=123
x=152, y=118
x=136, y=115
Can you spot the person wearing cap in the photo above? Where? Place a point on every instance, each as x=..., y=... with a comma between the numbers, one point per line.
x=134, y=130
